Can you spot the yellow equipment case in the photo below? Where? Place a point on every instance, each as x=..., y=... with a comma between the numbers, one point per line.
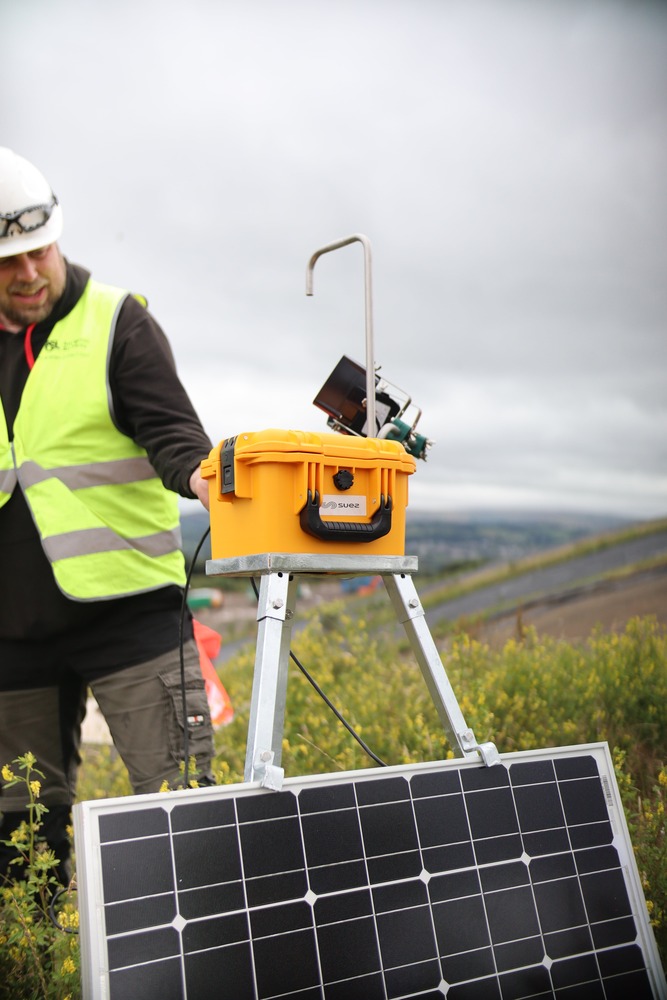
x=297, y=491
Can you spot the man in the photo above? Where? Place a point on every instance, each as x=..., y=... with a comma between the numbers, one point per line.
x=97, y=438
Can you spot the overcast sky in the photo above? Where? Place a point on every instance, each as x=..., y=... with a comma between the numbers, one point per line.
x=506, y=159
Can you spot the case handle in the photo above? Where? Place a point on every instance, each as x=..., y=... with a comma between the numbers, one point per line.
x=338, y=531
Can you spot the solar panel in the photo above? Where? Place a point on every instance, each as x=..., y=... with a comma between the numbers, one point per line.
x=446, y=879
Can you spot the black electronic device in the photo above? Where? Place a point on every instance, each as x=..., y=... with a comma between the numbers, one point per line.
x=343, y=399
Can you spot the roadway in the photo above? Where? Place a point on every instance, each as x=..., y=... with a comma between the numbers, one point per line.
x=542, y=583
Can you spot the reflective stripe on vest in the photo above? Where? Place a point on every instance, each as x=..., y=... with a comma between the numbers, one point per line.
x=94, y=540
x=77, y=477
x=7, y=471
x=7, y=482
x=107, y=524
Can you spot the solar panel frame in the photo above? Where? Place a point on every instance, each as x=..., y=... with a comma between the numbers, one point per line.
x=440, y=879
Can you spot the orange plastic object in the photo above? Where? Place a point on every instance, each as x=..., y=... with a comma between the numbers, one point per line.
x=208, y=645
x=297, y=491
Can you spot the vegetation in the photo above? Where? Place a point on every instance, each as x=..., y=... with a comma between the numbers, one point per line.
x=39, y=947
x=535, y=692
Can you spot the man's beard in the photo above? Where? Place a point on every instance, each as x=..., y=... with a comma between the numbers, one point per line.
x=25, y=315
x=17, y=314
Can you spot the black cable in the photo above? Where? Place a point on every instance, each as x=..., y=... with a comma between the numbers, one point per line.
x=335, y=711
x=327, y=701
x=181, y=626
x=52, y=909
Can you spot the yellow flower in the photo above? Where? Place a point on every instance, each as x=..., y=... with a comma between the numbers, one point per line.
x=69, y=919
x=35, y=787
x=7, y=773
x=68, y=967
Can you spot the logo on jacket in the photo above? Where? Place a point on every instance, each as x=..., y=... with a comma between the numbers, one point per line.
x=60, y=348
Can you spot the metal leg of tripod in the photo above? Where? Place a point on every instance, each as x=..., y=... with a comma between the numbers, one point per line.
x=410, y=613
x=275, y=613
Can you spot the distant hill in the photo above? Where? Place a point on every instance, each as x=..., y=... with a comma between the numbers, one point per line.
x=441, y=541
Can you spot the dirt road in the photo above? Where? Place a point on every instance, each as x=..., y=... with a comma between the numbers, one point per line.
x=573, y=616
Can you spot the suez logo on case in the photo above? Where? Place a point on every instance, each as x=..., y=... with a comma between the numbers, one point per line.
x=350, y=505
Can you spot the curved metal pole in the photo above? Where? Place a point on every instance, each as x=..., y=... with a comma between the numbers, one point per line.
x=370, y=359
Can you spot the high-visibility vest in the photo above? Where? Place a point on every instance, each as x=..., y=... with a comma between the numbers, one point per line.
x=107, y=524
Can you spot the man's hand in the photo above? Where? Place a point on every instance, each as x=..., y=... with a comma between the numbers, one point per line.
x=199, y=487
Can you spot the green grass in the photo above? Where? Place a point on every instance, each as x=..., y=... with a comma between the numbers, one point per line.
x=533, y=693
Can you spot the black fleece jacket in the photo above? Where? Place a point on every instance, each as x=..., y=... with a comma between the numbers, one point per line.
x=152, y=407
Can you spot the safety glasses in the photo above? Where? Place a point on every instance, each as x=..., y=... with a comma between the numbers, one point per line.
x=27, y=219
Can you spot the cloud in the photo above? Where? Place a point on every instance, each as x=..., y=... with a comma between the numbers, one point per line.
x=506, y=160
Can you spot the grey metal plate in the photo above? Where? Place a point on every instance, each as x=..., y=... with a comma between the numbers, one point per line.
x=301, y=562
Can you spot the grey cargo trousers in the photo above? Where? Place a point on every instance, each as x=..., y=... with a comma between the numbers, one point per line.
x=143, y=707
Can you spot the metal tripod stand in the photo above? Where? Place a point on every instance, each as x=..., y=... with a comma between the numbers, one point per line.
x=279, y=573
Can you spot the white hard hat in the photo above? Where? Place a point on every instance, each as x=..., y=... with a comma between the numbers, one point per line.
x=30, y=216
